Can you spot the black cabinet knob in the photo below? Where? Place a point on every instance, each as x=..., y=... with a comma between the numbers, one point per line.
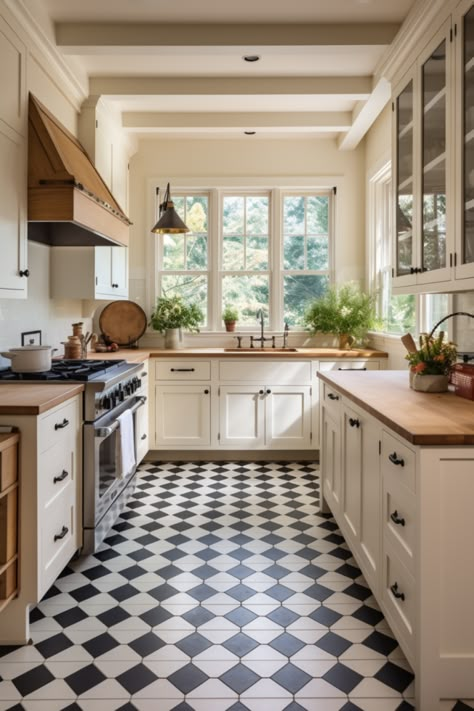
x=354, y=422
x=331, y=396
x=269, y=392
x=260, y=392
x=206, y=392
x=24, y=273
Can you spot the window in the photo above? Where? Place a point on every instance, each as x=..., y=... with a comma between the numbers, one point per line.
x=305, y=252
x=184, y=257
x=245, y=244
x=401, y=313
x=252, y=249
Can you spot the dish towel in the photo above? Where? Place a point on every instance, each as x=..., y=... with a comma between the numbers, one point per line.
x=125, y=443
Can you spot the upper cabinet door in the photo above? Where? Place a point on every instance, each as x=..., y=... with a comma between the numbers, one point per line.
x=464, y=127
x=436, y=155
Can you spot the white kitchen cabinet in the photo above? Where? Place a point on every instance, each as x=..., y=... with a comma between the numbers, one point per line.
x=89, y=273
x=242, y=416
x=182, y=415
x=288, y=417
x=142, y=419
x=50, y=506
x=330, y=458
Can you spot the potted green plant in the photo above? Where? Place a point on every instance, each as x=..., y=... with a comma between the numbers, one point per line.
x=172, y=315
x=345, y=310
x=230, y=316
x=431, y=364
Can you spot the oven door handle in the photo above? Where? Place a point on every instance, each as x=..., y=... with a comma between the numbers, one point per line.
x=104, y=432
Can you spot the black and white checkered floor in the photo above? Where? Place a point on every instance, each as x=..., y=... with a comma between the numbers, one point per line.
x=220, y=588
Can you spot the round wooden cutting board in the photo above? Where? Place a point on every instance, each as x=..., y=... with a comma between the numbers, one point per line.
x=123, y=322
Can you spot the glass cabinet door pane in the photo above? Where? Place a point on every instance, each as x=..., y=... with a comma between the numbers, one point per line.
x=404, y=187
x=434, y=160
x=468, y=114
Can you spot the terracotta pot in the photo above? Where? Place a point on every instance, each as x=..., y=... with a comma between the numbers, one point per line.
x=346, y=341
x=430, y=383
x=230, y=325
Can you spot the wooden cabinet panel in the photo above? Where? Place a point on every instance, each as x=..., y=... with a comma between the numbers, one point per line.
x=8, y=461
x=8, y=525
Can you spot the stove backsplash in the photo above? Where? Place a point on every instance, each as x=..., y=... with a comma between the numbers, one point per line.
x=38, y=312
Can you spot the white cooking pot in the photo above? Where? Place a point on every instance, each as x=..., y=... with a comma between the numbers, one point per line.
x=30, y=359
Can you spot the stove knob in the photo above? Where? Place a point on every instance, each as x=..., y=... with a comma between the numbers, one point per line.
x=106, y=403
x=121, y=394
x=129, y=389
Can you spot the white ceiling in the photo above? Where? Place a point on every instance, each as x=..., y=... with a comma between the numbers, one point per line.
x=148, y=41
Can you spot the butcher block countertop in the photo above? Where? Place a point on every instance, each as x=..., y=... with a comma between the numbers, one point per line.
x=34, y=398
x=140, y=354
x=421, y=418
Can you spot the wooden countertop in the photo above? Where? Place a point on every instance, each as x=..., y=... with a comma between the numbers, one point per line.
x=26, y=398
x=314, y=353
x=132, y=355
x=421, y=418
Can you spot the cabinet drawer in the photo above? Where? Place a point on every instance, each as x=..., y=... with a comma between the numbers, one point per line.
x=56, y=469
x=399, y=520
x=9, y=463
x=331, y=399
x=182, y=370
x=398, y=597
x=346, y=364
x=59, y=426
x=58, y=535
x=266, y=372
x=8, y=580
x=8, y=525
x=398, y=460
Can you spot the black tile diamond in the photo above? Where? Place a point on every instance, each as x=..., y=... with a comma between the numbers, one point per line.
x=33, y=680
x=287, y=644
x=277, y=571
x=124, y=592
x=134, y=571
x=272, y=539
x=343, y=678
x=405, y=706
x=313, y=571
x=291, y=678
x=202, y=592
x=113, y=616
x=163, y=592
x=241, y=592
x=333, y=644
x=325, y=616
x=155, y=616
x=194, y=644
x=136, y=678
x=360, y=592
x=36, y=615
x=84, y=593
x=318, y=592
x=187, y=678
x=198, y=616
x=70, y=617
x=100, y=645
x=283, y=616
x=240, y=644
x=240, y=616
x=54, y=645
x=279, y=592
x=141, y=554
x=205, y=571
x=350, y=571
x=380, y=643
x=394, y=676
x=169, y=571
x=240, y=554
x=368, y=615
x=85, y=679
x=240, y=572
x=294, y=707
x=207, y=554
x=239, y=678
x=98, y=571
x=147, y=644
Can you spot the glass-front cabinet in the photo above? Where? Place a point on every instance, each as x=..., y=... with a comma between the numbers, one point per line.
x=464, y=127
x=422, y=106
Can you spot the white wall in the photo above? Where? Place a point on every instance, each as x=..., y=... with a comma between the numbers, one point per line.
x=284, y=160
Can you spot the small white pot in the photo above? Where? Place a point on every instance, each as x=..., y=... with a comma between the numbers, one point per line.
x=30, y=359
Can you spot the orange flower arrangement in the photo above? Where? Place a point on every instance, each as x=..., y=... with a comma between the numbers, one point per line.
x=435, y=356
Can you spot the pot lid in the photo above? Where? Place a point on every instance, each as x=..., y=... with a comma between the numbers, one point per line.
x=21, y=349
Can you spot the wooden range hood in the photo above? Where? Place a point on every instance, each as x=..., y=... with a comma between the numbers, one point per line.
x=68, y=202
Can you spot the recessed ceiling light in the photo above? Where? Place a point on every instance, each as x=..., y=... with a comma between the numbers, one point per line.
x=250, y=133
x=251, y=57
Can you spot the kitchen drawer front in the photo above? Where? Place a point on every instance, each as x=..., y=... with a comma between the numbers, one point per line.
x=59, y=426
x=8, y=525
x=399, y=599
x=331, y=400
x=399, y=520
x=56, y=469
x=346, y=364
x=9, y=464
x=265, y=372
x=398, y=460
x=57, y=529
x=182, y=369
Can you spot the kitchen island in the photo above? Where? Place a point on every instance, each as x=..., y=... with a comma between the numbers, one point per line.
x=397, y=470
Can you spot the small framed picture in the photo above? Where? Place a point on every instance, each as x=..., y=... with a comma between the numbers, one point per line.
x=31, y=338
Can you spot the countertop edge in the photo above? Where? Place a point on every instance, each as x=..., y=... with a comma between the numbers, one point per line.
x=45, y=403
x=416, y=439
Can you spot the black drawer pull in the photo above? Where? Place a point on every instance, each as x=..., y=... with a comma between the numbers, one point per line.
x=64, y=532
x=331, y=396
x=61, y=477
x=352, y=368
x=143, y=436
x=24, y=273
x=269, y=392
x=354, y=422
x=396, y=593
x=182, y=370
x=260, y=392
x=61, y=425
x=399, y=462
x=398, y=520
x=206, y=392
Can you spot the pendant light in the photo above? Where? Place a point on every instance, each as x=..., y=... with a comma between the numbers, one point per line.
x=169, y=222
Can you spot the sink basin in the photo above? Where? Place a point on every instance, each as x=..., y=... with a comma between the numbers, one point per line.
x=264, y=351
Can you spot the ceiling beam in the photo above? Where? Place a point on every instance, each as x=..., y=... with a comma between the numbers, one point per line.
x=365, y=114
x=355, y=88
x=85, y=37
x=320, y=122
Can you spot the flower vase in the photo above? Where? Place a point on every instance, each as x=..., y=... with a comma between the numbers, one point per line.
x=173, y=338
x=346, y=341
x=430, y=383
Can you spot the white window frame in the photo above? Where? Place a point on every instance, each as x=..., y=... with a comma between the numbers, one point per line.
x=214, y=187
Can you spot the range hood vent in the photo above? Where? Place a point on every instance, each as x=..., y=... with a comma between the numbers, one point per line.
x=68, y=202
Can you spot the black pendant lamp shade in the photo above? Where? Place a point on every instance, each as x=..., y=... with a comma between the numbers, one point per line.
x=169, y=222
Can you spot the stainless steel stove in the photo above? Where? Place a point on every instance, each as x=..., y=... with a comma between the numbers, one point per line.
x=110, y=388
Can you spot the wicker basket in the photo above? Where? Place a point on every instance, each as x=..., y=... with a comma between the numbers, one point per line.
x=462, y=377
